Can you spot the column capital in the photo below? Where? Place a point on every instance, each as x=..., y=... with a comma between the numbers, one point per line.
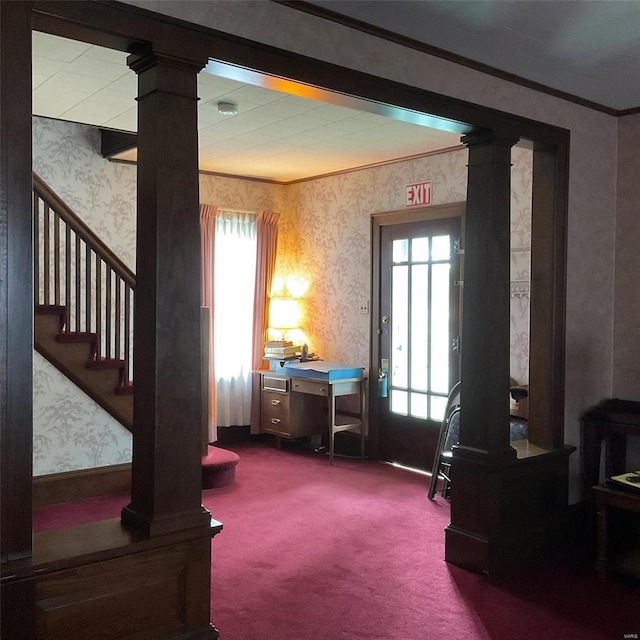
x=146, y=58
x=487, y=137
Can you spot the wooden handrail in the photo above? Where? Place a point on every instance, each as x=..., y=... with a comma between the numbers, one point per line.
x=75, y=270
x=80, y=227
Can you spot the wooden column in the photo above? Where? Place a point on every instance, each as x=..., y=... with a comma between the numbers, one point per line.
x=484, y=418
x=166, y=474
x=16, y=281
x=16, y=312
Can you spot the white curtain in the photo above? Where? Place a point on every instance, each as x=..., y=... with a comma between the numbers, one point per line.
x=234, y=284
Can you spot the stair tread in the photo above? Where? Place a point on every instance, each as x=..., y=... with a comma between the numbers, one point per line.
x=106, y=363
x=124, y=390
x=50, y=308
x=76, y=336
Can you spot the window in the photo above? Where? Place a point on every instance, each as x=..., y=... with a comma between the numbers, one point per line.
x=234, y=283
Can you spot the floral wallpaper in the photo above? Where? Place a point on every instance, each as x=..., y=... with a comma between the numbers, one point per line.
x=324, y=239
x=70, y=430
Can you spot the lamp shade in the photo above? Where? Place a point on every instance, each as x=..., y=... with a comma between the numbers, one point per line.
x=284, y=313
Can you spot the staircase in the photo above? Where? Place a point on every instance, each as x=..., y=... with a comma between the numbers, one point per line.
x=84, y=297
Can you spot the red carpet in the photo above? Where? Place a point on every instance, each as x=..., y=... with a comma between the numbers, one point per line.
x=355, y=551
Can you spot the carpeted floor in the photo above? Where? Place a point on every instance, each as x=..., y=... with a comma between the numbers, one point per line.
x=355, y=551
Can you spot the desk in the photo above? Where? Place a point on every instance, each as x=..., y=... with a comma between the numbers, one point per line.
x=607, y=497
x=612, y=421
x=295, y=407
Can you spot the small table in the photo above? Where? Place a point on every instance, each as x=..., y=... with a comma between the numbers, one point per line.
x=607, y=497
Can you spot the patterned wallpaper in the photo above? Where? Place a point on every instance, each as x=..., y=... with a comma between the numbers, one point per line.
x=327, y=242
x=70, y=430
x=324, y=239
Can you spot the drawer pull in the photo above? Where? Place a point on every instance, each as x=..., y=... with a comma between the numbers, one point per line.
x=275, y=420
x=275, y=403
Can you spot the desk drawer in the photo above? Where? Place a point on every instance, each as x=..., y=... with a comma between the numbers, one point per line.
x=275, y=383
x=275, y=412
x=314, y=387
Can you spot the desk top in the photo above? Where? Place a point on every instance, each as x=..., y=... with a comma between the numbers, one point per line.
x=321, y=370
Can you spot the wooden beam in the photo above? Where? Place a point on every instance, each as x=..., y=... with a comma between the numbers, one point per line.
x=114, y=142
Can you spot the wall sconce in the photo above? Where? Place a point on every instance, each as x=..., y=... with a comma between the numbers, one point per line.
x=284, y=315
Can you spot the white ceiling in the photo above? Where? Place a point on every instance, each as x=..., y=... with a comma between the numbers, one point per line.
x=586, y=48
x=274, y=136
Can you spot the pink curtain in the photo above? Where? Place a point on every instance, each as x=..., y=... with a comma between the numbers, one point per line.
x=267, y=236
x=208, y=214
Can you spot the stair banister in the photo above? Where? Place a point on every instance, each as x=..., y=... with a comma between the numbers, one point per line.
x=74, y=269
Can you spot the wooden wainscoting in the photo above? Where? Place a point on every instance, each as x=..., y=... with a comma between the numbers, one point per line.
x=78, y=485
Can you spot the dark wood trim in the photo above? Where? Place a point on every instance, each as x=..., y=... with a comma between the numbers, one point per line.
x=166, y=481
x=411, y=43
x=16, y=282
x=113, y=142
x=484, y=370
x=549, y=211
x=184, y=40
x=55, y=488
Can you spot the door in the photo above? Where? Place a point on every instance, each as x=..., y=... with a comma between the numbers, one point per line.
x=418, y=329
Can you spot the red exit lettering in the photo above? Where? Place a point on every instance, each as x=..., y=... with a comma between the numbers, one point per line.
x=418, y=194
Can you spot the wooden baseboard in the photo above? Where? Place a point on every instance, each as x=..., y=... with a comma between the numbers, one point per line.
x=78, y=485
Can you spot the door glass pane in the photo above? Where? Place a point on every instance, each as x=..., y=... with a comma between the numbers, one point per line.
x=399, y=326
x=400, y=250
x=440, y=338
x=438, y=406
x=420, y=327
x=441, y=247
x=420, y=249
x=399, y=401
x=419, y=405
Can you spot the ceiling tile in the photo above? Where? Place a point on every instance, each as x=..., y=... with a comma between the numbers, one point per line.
x=48, y=101
x=56, y=48
x=127, y=121
x=94, y=68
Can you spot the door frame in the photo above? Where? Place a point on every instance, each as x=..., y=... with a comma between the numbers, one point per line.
x=379, y=220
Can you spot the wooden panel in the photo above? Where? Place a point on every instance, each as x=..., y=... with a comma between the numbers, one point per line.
x=16, y=282
x=77, y=485
x=110, y=600
x=103, y=581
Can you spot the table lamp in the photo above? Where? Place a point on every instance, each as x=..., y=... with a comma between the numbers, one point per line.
x=284, y=315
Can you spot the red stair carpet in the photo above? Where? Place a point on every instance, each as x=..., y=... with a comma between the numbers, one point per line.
x=355, y=552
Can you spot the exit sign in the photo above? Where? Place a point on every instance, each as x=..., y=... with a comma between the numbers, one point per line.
x=418, y=194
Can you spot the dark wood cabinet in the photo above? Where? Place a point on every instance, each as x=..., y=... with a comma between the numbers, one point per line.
x=290, y=415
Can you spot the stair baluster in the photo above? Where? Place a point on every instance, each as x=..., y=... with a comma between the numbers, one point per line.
x=79, y=278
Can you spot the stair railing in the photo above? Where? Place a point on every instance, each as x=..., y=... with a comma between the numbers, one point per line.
x=74, y=269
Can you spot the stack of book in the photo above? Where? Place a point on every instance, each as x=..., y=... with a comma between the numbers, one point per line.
x=281, y=350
